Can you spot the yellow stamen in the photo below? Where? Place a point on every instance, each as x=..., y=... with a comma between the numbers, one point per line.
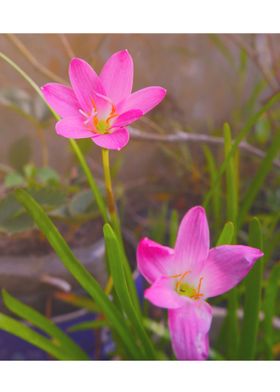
x=179, y=282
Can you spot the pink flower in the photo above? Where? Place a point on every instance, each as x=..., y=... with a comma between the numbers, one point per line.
x=100, y=107
x=183, y=278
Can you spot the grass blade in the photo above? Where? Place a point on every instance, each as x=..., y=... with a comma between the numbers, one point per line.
x=242, y=134
x=86, y=325
x=259, y=178
x=116, y=263
x=215, y=185
x=20, y=330
x=226, y=235
x=269, y=308
x=252, y=305
x=232, y=205
x=173, y=227
x=78, y=271
x=38, y=320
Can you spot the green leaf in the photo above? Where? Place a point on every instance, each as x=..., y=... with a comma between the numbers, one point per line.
x=17, y=224
x=242, y=134
x=226, y=235
x=38, y=320
x=117, y=268
x=86, y=325
x=215, y=185
x=47, y=175
x=20, y=330
x=72, y=264
x=13, y=180
x=82, y=203
x=252, y=305
x=232, y=210
x=20, y=152
x=258, y=180
x=271, y=299
x=173, y=227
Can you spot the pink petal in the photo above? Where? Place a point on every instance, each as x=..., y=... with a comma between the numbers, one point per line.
x=113, y=141
x=72, y=127
x=226, y=266
x=162, y=293
x=61, y=99
x=85, y=83
x=189, y=326
x=154, y=260
x=145, y=99
x=192, y=244
x=103, y=106
x=117, y=76
x=127, y=118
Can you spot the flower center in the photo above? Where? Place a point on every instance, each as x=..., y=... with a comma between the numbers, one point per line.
x=99, y=123
x=186, y=289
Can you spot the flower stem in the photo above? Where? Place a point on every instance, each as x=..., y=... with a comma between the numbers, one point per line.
x=110, y=195
x=108, y=181
x=115, y=222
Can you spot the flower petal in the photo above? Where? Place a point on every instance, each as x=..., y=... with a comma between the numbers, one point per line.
x=145, y=99
x=113, y=141
x=117, y=76
x=127, y=118
x=72, y=127
x=85, y=83
x=192, y=244
x=61, y=98
x=189, y=326
x=162, y=293
x=226, y=266
x=154, y=260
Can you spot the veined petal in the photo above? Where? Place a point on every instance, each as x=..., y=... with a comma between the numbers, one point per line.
x=113, y=141
x=189, y=326
x=145, y=99
x=192, y=244
x=73, y=128
x=154, y=260
x=162, y=293
x=85, y=83
x=117, y=76
x=226, y=266
x=127, y=118
x=61, y=99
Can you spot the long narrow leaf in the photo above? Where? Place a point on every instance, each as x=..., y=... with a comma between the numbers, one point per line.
x=232, y=205
x=116, y=264
x=252, y=305
x=269, y=308
x=242, y=134
x=226, y=235
x=215, y=185
x=20, y=330
x=259, y=178
x=78, y=271
x=38, y=320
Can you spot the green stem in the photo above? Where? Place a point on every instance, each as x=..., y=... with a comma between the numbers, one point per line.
x=115, y=221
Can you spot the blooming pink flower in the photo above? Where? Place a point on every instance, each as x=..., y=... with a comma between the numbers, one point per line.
x=100, y=107
x=183, y=278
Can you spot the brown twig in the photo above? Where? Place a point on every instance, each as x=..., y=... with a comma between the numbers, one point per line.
x=32, y=60
x=180, y=136
x=66, y=45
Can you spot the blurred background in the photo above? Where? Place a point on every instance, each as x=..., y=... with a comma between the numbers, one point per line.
x=165, y=169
